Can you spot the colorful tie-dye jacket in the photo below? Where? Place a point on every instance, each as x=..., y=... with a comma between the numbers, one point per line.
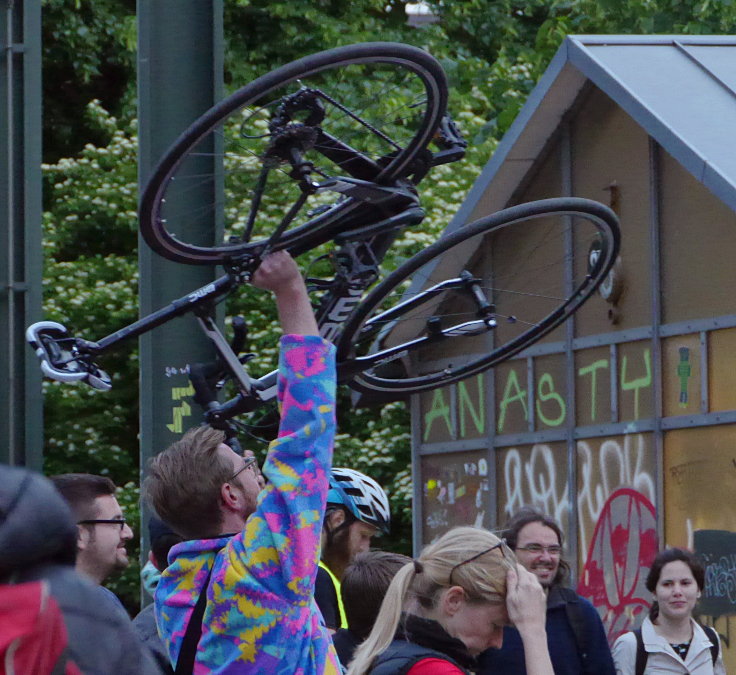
x=261, y=616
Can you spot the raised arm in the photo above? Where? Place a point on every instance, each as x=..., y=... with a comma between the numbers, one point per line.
x=527, y=608
x=279, y=273
x=264, y=584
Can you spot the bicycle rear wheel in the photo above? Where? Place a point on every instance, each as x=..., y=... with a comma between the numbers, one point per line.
x=535, y=264
x=281, y=144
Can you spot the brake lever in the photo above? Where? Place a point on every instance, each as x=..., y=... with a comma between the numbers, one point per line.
x=449, y=138
x=65, y=358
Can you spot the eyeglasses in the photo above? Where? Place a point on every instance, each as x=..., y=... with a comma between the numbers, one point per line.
x=248, y=461
x=500, y=545
x=121, y=522
x=555, y=549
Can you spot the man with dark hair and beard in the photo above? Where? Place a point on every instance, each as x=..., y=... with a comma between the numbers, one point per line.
x=103, y=532
x=575, y=634
x=357, y=510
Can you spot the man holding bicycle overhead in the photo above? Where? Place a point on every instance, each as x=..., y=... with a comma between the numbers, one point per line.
x=254, y=556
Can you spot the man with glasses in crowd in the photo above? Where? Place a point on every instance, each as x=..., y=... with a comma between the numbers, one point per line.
x=238, y=594
x=102, y=532
x=575, y=634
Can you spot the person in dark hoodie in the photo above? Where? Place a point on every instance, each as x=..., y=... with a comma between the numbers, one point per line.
x=38, y=541
x=162, y=538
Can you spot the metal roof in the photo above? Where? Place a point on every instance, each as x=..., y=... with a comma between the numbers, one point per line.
x=680, y=89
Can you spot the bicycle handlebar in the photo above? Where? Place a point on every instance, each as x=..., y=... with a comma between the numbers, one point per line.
x=217, y=414
x=65, y=358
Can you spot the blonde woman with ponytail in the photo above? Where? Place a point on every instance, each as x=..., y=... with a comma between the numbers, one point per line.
x=450, y=604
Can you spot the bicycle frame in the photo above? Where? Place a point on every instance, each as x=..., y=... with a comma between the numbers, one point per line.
x=363, y=233
x=360, y=249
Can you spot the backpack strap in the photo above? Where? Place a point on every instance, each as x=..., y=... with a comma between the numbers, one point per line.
x=711, y=635
x=188, y=650
x=576, y=620
x=641, y=654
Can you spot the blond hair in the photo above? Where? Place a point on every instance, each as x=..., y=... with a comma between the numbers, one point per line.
x=460, y=557
x=184, y=481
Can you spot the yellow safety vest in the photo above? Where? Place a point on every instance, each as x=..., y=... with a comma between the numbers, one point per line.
x=336, y=583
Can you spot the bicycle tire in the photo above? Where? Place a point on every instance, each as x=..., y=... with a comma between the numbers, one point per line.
x=250, y=109
x=391, y=379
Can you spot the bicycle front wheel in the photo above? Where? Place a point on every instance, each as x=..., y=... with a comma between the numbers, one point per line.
x=272, y=156
x=478, y=296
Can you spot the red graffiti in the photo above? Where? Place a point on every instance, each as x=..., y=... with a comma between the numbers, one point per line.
x=623, y=545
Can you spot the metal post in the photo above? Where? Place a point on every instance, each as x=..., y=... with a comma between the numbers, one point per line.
x=21, y=434
x=179, y=77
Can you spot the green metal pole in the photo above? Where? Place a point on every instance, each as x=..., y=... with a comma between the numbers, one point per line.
x=21, y=434
x=179, y=77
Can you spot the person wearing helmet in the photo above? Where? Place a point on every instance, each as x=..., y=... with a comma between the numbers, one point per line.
x=357, y=510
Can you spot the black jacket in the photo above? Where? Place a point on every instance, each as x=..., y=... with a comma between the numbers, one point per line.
x=145, y=626
x=346, y=642
x=417, y=638
x=575, y=636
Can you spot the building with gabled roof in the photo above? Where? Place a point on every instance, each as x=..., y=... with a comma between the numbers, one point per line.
x=621, y=424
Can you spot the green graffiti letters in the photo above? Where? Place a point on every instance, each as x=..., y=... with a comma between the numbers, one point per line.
x=546, y=392
x=465, y=415
x=512, y=392
x=638, y=383
x=684, y=370
x=592, y=370
x=465, y=402
x=440, y=410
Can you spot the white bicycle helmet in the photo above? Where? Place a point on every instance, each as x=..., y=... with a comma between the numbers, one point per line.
x=361, y=495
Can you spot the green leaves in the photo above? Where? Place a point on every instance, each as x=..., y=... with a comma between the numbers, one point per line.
x=89, y=53
x=91, y=199
x=91, y=286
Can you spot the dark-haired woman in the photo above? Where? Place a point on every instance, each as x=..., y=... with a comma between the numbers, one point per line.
x=673, y=642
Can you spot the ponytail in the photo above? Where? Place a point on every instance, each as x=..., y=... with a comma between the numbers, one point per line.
x=469, y=557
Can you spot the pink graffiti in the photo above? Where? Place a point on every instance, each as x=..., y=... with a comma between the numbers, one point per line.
x=624, y=543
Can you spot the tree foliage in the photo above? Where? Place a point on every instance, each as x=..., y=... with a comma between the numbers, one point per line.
x=88, y=51
x=493, y=51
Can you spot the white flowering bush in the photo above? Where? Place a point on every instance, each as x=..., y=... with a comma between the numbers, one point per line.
x=91, y=286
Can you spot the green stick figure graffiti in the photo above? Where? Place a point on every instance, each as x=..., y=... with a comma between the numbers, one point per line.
x=684, y=369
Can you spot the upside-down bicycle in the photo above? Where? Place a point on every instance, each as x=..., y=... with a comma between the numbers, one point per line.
x=328, y=151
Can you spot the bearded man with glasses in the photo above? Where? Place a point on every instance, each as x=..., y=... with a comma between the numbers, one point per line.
x=575, y=634
x=102, y=532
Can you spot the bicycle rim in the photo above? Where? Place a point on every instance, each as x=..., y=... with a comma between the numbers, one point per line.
x=381, y=101
x=537, y=263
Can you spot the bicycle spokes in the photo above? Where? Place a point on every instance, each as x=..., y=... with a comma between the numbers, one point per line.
x=521, y=273
x=322, y=140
